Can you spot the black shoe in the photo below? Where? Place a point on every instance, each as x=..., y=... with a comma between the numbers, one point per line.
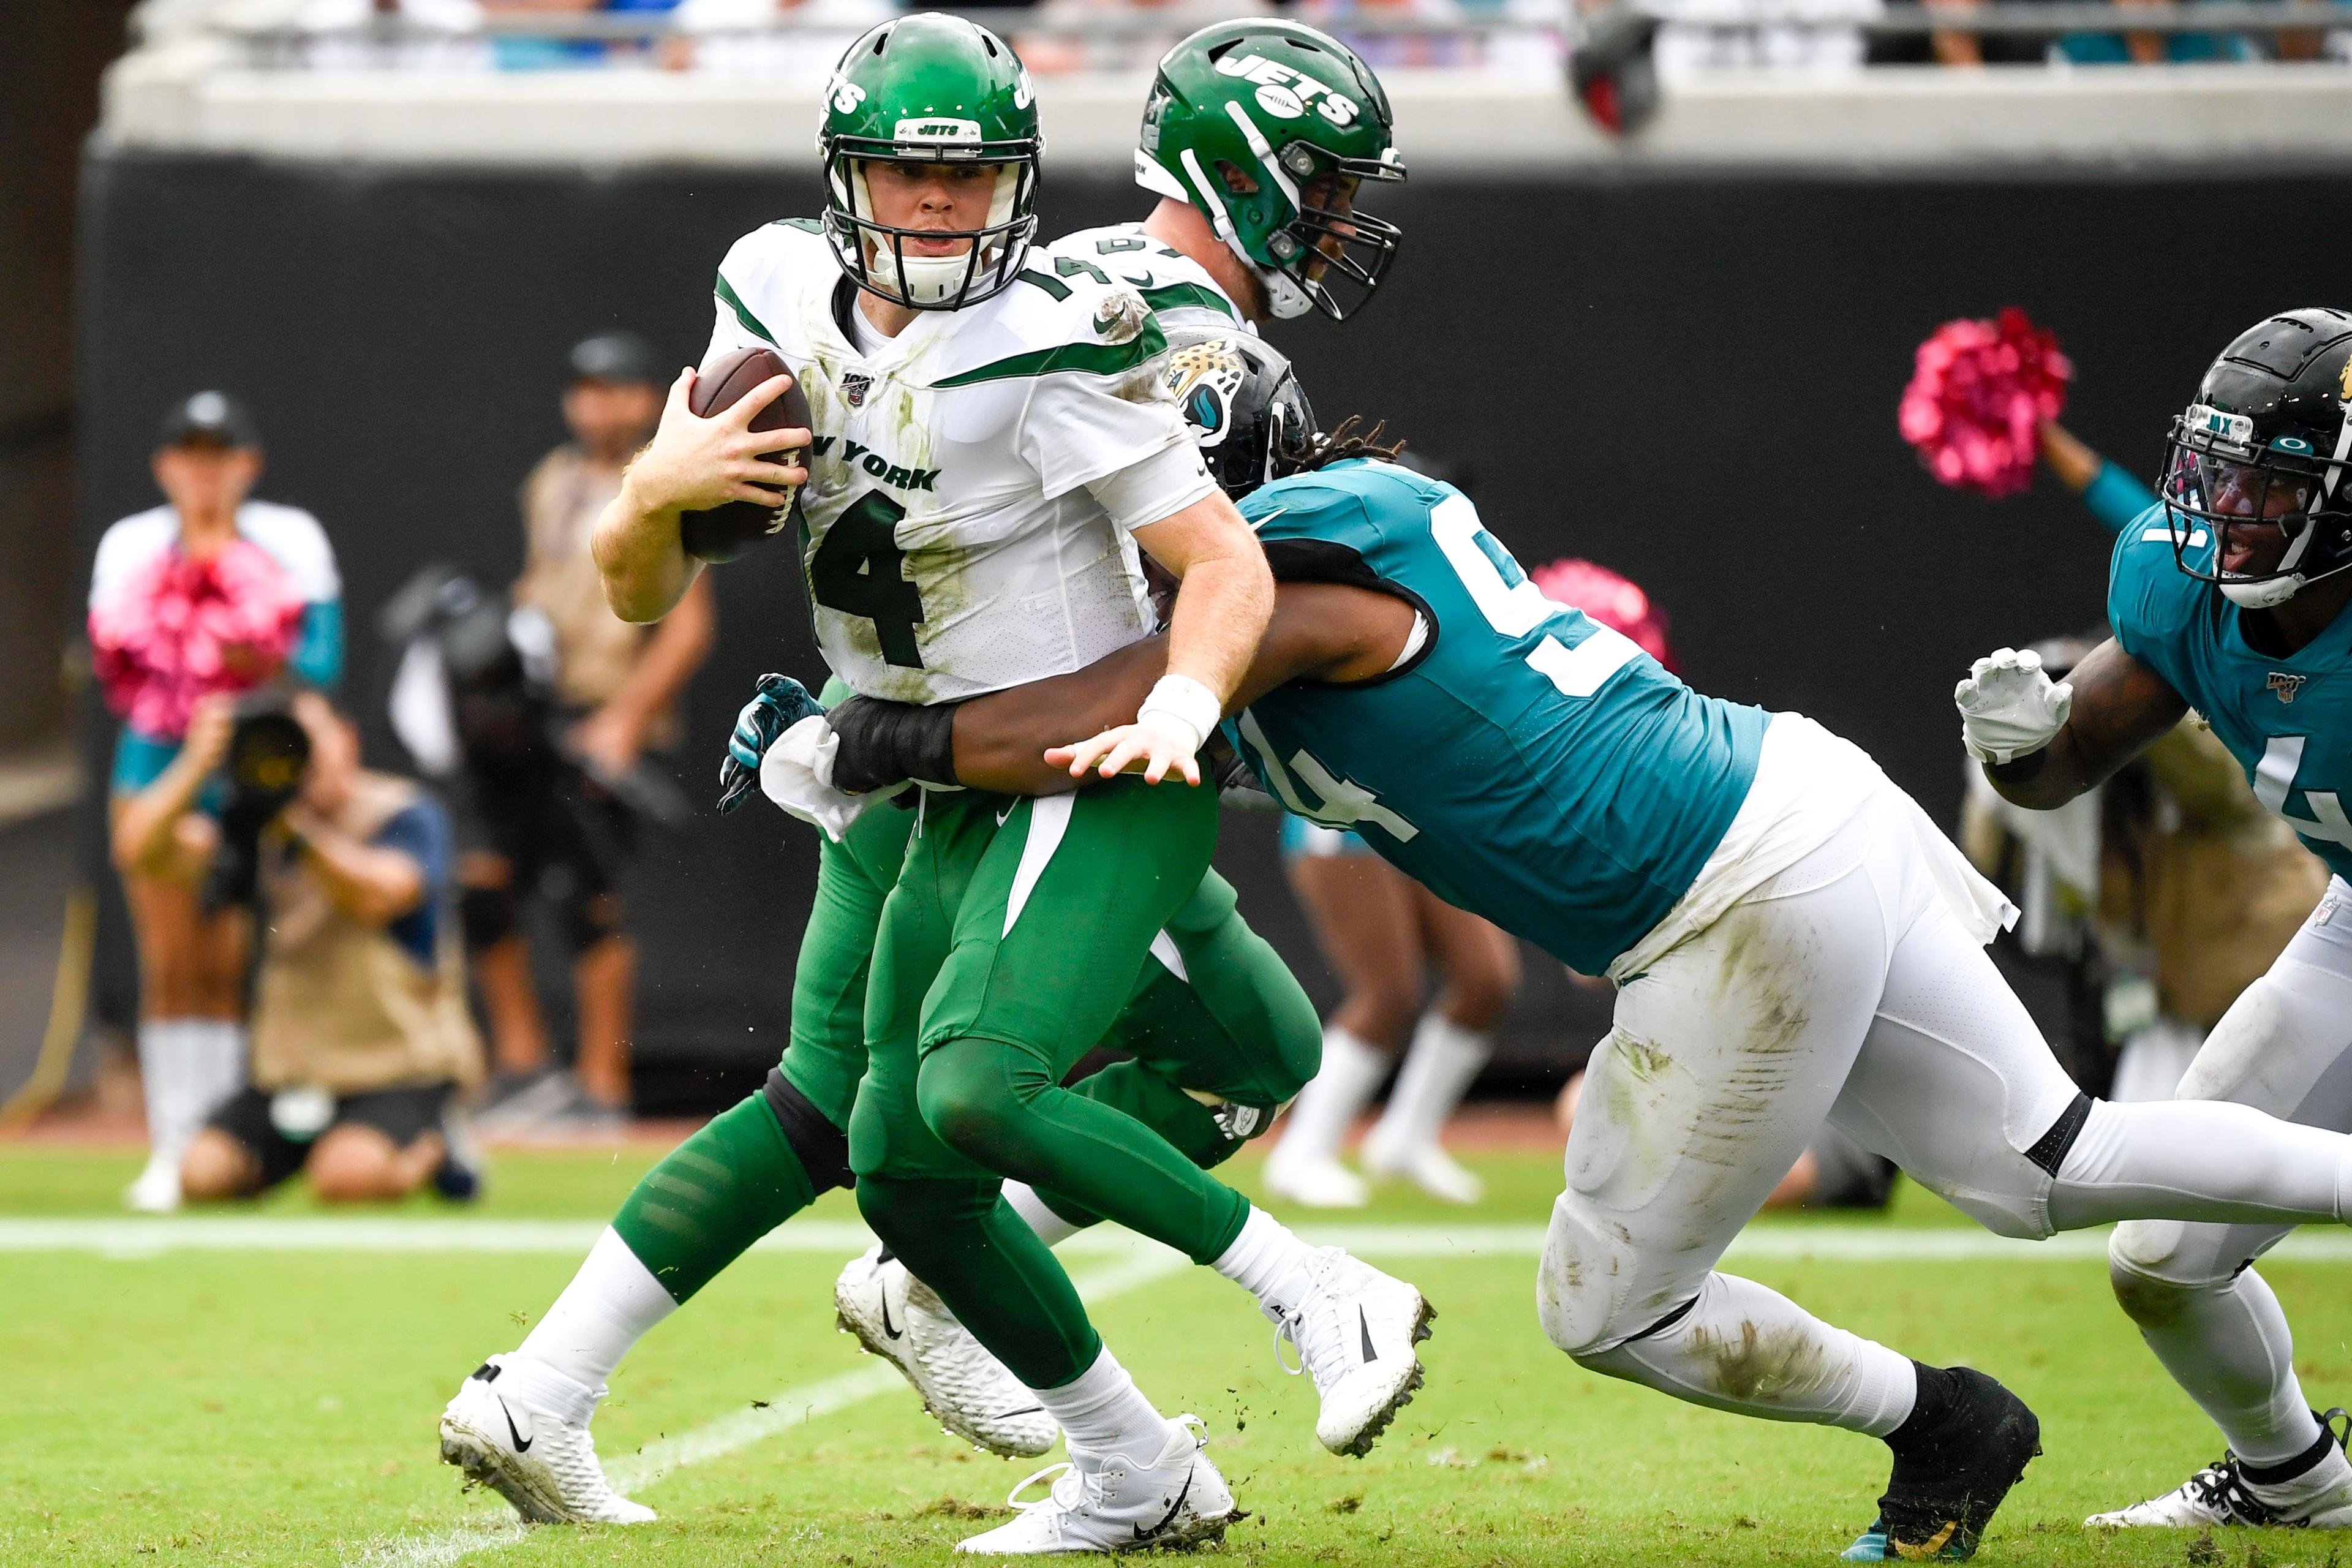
x=1965, y=1444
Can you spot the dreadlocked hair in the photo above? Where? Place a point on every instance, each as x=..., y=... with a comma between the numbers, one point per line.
x=1347, y=439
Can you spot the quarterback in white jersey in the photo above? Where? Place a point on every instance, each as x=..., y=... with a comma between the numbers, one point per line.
x=962, y=473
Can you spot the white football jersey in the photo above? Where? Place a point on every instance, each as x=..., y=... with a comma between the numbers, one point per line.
x=1178, y=289
x=952, y=546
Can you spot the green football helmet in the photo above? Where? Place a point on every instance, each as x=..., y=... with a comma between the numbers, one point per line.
x=1269, y=126
x=930, y=89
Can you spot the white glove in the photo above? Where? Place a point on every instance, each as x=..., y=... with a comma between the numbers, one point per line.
x=2009, y=707
x=796, y=773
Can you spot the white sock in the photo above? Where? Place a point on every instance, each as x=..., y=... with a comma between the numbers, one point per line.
x=216, y=1057
x=1270, y=1263
x=610, y=1304
x=1051, y=1229
x=168, y=1082
x=1437, y=1073
x=1102, y=1411
x=1320, y=1118
x=2199, y=1159
x=1744, y=1348
x=2228, y=1345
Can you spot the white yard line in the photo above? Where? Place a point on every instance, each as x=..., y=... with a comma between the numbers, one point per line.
x=1840, y=1242
x=1140, y=1263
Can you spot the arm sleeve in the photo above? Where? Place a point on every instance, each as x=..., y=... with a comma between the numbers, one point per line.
x=1080, y=427
x=2115, y=497
x=422, y=832
x=1159, y=486
x=318, y=657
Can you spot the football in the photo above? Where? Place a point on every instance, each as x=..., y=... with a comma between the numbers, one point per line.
x=726, y=531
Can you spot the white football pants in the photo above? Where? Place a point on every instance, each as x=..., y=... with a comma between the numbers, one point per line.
x=2284, y=1047
x=1846, y=988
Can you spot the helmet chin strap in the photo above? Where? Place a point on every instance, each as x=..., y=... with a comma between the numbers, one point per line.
x=2268, y=594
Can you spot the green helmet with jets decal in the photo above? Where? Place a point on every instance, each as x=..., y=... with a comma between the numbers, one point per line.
x=1268, y=127
x=2260, y=465
x=930, y=89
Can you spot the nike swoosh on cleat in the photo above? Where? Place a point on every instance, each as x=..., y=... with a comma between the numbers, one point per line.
x=1925, y=1548
x=887, y=1328
x=1364, y=1324
x=1143, y=1535
x=522, y=1443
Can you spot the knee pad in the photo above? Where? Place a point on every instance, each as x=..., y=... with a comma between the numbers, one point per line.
x=2154, y=1265
x=487, y=915
x=1587, y=1272
x=971, y=1100
x=590, y=918
x=822, y=1148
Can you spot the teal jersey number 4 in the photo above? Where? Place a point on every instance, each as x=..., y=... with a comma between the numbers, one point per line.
x=1525, y=763
x=2288, y=721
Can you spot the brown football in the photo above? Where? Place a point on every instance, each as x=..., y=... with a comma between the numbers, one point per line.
x=726, y=531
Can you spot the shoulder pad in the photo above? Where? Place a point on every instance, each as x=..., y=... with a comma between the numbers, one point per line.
x=1050, y=322
x=773, y=278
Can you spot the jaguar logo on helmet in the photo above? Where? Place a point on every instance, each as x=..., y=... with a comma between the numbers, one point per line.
x=1203, y=376
x=2343, y=381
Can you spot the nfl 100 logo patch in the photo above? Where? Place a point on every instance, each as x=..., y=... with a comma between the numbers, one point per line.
x=854, y=385
x=2285, y=685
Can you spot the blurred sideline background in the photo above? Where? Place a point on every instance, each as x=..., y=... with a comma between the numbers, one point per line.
x=1676, y=352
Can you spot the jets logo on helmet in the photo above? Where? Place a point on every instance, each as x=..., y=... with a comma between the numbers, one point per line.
x=930, y=89
x=1286, y=93
x=2254, y=474
x=1270, y=129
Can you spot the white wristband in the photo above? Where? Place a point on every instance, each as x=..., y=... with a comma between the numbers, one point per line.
x=1185, y=700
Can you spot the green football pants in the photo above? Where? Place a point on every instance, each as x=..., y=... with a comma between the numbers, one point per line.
x=1014, y=938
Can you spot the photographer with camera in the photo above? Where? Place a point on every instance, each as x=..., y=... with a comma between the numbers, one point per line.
x=566, y=835
x=212, y=592
x=360, y=1037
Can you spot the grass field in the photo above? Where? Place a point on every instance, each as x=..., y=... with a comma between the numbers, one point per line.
x=265, y=1391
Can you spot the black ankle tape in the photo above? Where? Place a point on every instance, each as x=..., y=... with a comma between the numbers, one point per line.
x=2050, y=1151
x=822, y=1148
x=2287, y=1469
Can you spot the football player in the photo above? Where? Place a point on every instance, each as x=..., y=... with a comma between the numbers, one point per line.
x=2229, y=596
x=1003, y=437
x=1791, y=938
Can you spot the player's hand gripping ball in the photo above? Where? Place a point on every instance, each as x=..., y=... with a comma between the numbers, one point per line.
x=2009, y=707
x=781, y=703
x=725, y=532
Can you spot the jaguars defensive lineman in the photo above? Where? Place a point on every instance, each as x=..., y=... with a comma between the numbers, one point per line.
x=2229, y=597
x=1791, y=938
x=1002, y=449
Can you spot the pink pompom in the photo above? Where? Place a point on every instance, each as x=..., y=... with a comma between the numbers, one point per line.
x=1616, y=602
x=179, y=629
x=1980, y=391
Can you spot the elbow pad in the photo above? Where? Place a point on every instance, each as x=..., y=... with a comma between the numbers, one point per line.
x=885, y=743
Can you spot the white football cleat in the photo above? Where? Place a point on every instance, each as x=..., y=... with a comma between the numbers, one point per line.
x=157, y=1189
x=1429, y=1167
x=2220, y=1494
x=542, y=1462
x=1317, y=1184
x=1354, y=1333
x=970, y=1392
x=1108, y=1502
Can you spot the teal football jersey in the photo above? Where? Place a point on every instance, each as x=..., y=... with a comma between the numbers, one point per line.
x=2288, y=721
x=1527, y=762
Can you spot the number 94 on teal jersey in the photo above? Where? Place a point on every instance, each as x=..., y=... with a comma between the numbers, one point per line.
x=1526, y=763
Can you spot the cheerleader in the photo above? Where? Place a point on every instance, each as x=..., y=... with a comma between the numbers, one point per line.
x=208, y=594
